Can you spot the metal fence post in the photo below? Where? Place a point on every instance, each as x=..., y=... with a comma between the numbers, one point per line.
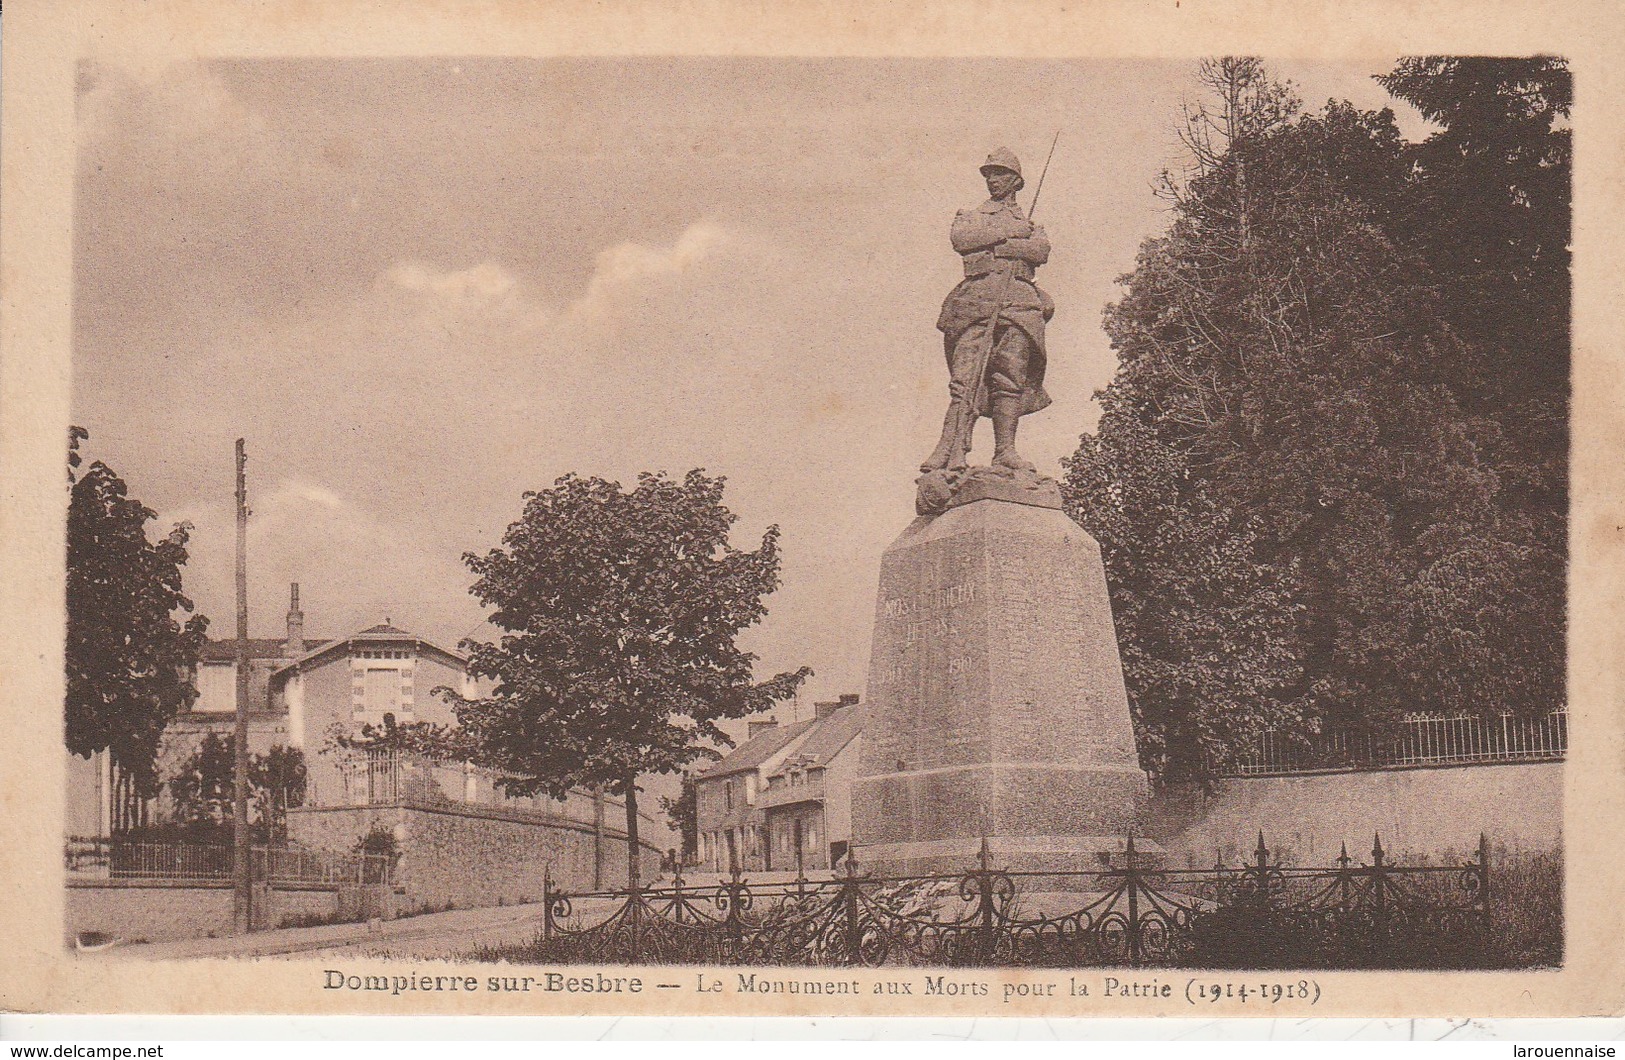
x=1344, y=880
x=984, y=902
x=547, y=901
x=1131, y=871
x=1260, y=871
x=677, y=893
x=849, y=907
x=734, y=923
x=1379, y=886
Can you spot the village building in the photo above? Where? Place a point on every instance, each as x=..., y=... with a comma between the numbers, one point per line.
x=378, y=677
x=807, y=804
x=460, y=837
x=725, y=812
x=786, y=789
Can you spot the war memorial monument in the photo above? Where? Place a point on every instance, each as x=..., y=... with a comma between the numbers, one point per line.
x=998, y=711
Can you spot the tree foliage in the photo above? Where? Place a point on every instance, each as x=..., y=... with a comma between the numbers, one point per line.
x=684, y=814
x=202, y=788
x=620, y=611
x=1489, y=207
x=129, y=660
x=1303, y=521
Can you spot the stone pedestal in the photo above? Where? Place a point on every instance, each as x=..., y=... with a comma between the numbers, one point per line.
x=996, y=700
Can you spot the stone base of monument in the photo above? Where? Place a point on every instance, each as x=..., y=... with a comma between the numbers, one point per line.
x=937, y=491
x=1048, y=858
x=995, y=696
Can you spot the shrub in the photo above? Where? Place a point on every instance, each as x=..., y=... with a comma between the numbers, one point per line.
x=1526, y=910
x=379, y=840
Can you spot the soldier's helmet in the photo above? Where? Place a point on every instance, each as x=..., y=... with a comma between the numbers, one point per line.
x=1004, y=158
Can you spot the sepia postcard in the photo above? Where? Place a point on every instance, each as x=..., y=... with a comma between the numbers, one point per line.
x=1013, y=509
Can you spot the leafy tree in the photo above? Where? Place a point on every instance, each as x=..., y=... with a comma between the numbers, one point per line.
x=620, y=611
x=202, y=788
x=129, y=661
x=683, y=813
x=277, y=782
x=1299, y=526
x=1490, y=209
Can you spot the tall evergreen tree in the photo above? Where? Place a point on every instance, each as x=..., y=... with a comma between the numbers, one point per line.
x=1299, y=528
x=1490, y=208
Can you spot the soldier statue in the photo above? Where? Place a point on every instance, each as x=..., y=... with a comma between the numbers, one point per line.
x=992, y=324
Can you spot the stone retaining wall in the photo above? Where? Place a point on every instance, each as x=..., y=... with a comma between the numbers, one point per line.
x=465, y=857
x=164, y=910
x=1421, y=812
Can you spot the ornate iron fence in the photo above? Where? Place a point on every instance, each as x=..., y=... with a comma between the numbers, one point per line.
x=1259, y=914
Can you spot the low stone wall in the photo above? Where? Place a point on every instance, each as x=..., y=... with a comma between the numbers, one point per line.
x=164, y=910
x=1420, y=812
x=294, y=905
x=464, y=857
x=148, y=910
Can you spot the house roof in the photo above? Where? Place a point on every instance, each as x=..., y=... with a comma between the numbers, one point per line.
x=753, y=753
x=379, y=634
x=258, y=648
x=828, y=738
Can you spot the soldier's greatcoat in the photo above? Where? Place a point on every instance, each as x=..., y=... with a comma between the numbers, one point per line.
x=1001, y=250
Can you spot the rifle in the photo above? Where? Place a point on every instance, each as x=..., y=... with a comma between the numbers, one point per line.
x=967, y=418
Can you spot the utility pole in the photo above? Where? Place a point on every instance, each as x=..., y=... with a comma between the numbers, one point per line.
x=242, y=851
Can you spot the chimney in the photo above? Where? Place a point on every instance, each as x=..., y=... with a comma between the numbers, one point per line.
x=756, y=728
x=824, y=710
x=296, y=623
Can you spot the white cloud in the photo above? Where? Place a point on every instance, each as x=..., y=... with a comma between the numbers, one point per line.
x=305, y=491
x=487, y=293
x=626, y=266
x=484, y=293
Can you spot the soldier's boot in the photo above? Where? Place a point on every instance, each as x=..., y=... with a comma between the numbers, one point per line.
x=950, y=451
x=1006, y=414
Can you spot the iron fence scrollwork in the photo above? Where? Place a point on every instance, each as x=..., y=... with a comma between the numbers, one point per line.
x=1135, y=912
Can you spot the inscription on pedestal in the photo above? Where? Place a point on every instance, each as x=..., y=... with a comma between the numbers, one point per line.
x=996, y=695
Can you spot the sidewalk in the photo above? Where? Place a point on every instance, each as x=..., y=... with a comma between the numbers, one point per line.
x=432, y=935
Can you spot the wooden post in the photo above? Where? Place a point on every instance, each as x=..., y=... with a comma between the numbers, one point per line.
x=241, y=867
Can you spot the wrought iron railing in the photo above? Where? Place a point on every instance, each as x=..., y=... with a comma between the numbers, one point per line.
x=372, y=780
x=1420, y=739
x=1259, y=914
x=298, y=865
x=180, y=860
x=82, y=854
x=168, y=860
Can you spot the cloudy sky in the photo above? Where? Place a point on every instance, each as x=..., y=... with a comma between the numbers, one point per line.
x=421, y=287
